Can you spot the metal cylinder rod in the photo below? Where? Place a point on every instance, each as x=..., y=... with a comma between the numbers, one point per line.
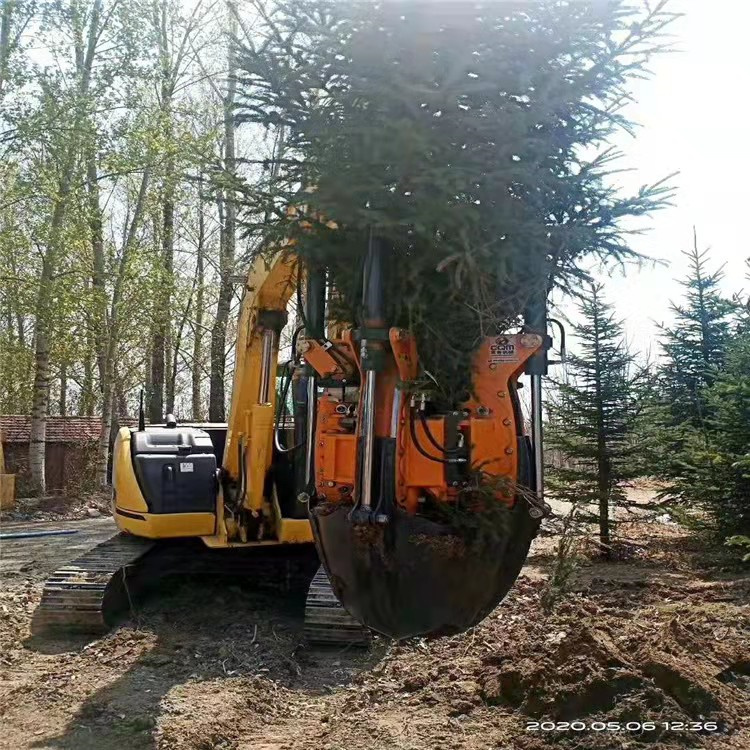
x=537, y=434
x=315, y=316
x=312, y=392
x=266, y=366
x=315, y=303
x=373, y=290
x=373, y=301
x=367, y=436
x=395, y=412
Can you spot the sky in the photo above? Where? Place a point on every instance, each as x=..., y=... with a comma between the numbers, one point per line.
x=694, y=118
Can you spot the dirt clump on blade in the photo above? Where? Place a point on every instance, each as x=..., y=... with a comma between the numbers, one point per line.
x=447, y=545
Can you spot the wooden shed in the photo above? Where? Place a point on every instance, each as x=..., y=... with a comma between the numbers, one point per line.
x=70, y=457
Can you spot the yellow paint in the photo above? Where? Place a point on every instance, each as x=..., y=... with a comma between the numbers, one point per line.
x=167, y=525
x=7, y=483
x=127, y=492
x=291, y=530
x=7, y=491
x=295, y=531
x=259, y=453
x=268, y=287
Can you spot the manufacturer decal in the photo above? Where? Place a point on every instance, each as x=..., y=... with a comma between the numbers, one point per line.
x=503, y=349
x=186, y=468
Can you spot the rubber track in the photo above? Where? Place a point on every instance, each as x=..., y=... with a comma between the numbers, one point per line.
x=326, y=621
x=85, y=593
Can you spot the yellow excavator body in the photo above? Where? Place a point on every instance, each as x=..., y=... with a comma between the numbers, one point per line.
x=131, y=511
x=7, y=482
x=177, y=483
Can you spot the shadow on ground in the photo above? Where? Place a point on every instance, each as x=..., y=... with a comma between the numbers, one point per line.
x=212, y=637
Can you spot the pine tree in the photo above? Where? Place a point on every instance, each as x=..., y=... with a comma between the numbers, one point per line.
x=694, y=347
x=591, y=415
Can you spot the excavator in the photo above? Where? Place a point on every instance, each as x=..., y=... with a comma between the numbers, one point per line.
x=420, y=517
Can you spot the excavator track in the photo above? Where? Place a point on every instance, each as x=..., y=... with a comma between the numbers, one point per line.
x=327, y=623
x=86, y=593
x=89, y=593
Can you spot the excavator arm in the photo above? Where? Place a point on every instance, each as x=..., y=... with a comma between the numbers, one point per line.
x=249, y=503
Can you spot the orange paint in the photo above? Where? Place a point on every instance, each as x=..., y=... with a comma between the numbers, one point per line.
x=321, y=360
x=490, y=427
x=404, y=347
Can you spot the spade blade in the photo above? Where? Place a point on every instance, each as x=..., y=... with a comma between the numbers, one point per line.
x=413, y=576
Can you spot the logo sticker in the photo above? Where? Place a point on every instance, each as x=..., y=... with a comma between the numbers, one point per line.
x=502, y=350
x=186, y=468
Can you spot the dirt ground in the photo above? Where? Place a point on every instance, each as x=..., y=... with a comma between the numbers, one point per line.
x=208, y=665
x=58, y=508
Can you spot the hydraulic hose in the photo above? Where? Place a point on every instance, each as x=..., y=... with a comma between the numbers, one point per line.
x=281, y=411
x=281, y=406
x=432, y=439
x=422, y=451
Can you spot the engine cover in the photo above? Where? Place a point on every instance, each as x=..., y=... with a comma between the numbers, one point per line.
x=176, y=469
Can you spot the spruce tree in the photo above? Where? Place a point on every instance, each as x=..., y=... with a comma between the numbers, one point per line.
x=591, y=415
x=711, y=473
x=462, y=134
x=694, y=347
x=709, y=452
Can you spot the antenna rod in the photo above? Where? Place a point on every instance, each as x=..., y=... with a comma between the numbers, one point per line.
x=141, y=415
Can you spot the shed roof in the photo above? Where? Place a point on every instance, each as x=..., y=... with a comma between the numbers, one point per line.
x=16, y=428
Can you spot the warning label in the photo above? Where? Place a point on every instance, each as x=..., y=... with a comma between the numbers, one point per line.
x=502, y=350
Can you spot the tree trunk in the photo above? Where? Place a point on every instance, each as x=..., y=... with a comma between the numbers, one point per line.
x=99, y=268
x=172, y=374
x=40, y=394
x=155, y=369
x=160, y=345
x=113, y=340
x=120, y=401
x=105, y=433
x=603, y=493
x=86, y=404
x=216, y=398
x=5, y=24
x=217, y=406
x=604, y=471
x=63, y=403
x=198, y=320
x=170, y=352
